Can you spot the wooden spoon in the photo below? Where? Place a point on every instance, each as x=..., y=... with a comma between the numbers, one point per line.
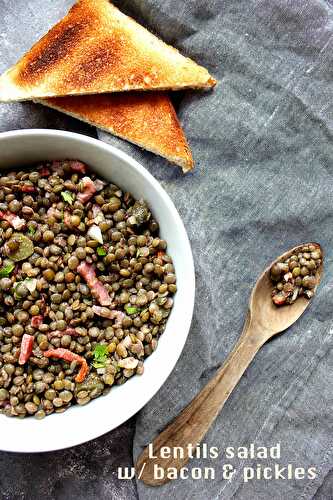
x=264, y=320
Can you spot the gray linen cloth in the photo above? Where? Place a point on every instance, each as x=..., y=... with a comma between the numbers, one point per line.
x=262, y=141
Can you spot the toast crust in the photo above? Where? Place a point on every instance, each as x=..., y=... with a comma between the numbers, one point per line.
x=147, y=119
x=96, y=48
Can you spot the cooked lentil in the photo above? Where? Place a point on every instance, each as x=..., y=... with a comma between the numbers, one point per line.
x=295, y=276
x=86, y=287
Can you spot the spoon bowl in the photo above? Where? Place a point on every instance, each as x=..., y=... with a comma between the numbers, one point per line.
x=270, y=318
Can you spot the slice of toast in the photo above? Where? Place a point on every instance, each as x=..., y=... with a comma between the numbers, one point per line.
x=147, y=119
x=97, y=49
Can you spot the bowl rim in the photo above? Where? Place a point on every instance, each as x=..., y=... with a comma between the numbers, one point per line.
x=158, y=382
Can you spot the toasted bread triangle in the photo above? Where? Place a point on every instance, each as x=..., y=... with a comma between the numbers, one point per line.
x=97, y=49
x=147, y=119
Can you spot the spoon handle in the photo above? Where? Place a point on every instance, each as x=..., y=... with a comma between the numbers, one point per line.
x=193, y=422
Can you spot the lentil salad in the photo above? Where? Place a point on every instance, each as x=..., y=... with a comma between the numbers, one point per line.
x=86, y=287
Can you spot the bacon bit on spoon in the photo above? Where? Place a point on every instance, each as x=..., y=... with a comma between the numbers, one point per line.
x=279, y=299
x=70, y=356
x=15, y=221
x=26, y=348
x=97, y=288
x=88, y=190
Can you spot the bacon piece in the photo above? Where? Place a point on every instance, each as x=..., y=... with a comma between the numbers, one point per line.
x=77, y=166
x=56, y=166
x=88, y=190
x=70, y=356
x=44, y=172
x=279, y=299
x=60, y=333
x=97, y=288
x=15, y=221
x=67, y=219
x=100, y=293
x=26, y=348
x=36, y=321
x=84, y=370
x=104, y=312
x=87, y=272
x=27, y=188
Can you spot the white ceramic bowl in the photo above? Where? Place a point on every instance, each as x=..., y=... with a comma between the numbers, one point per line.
x=80, y=424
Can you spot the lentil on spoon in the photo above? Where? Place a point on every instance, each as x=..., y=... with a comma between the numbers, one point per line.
x=296, y=276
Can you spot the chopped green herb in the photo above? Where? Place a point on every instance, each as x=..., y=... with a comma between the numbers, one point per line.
x=100, y=350
x=131, y=310
x=101, y=251
x=98, y=364
x=31, y=230
x=6, y=270
x=67, y=197
x=100, y=355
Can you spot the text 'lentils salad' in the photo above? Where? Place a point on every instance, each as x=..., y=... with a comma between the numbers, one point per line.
x=86, y=287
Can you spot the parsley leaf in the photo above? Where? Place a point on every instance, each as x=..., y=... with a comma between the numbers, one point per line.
x=6, y=270
x=100, y=351
x=98, y=364
x=100, y=355
x=131, y=310
x=68, y=197
x=101, y=251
